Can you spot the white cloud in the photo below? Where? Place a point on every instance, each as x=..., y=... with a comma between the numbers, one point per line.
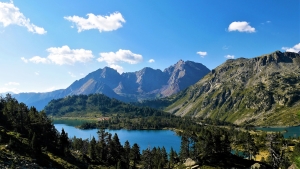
x=295, y=48
x=63, y=55
x=71, y=74
x=229, y=56
x=12, y=84
x=202, y=54
x=112, y=58
x=120, y=56
x=102, y=23
x=37, y=73
x=241, y=27
x=9, y=90
x=11, y=15
x=37, y=59
x=151, y=61
x=117, y=67
x=24, y=60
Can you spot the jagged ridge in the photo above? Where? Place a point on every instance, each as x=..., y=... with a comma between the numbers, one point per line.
x=264, y=91
x=147, y=83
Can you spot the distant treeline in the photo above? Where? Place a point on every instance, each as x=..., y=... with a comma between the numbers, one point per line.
x=98, y=104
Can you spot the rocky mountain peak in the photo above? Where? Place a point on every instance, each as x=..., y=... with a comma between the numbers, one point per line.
x=107, y=71
x=277, y=57
x=144, y=84
x=247, y=90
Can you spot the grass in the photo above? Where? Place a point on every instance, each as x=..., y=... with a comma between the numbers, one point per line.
x=298, y=114
x=297, y=161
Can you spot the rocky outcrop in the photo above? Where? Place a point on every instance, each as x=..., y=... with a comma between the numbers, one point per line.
x=260, y=90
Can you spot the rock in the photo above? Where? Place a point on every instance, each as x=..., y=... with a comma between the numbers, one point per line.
x=257, y=166
x=243, y=90
x=293, y=166
x=189, y=162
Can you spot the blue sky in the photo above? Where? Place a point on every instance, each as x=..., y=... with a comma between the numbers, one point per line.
x=47, y=45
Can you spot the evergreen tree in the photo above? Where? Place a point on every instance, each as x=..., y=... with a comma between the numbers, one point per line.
x=92, y=149
x=135, y=154
x=172, y=158
x=118, y=149
x=148, y=158
x=34, y=142
x=164, y=156
x=127, y=153
x=101, y=146
x=64, y=141
x=184, y=148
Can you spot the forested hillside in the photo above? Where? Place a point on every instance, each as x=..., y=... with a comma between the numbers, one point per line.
x=96, y=105
x=29, y=139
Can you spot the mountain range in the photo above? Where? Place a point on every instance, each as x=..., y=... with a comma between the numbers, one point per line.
x=144, y=84
x=264, y=90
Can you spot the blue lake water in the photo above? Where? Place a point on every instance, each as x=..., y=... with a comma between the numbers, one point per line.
x=287, y=131
x=144, y=138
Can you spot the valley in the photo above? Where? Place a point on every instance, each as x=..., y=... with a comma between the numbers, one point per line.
x=216, y=119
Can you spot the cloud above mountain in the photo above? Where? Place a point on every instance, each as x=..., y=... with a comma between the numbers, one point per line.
x=63, y=56
x=294, y=49
x=11, y=15
x=241, y=26
x=102, y=23
x=202, y=54
x=229, y=56
x=121, y=56
x=151, y=61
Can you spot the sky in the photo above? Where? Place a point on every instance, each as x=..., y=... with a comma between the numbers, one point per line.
x=47, y=45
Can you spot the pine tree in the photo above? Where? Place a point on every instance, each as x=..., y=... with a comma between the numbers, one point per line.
x=127, y=153
x=164, y=156
x=172, y=156
x=135, y=154
x=118, y=149
x=92, y=149
x=64, y=142
x=35, y=144
x=184, y=148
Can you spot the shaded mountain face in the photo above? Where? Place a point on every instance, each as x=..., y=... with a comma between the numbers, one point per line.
x=147, y=83
x=264, y=91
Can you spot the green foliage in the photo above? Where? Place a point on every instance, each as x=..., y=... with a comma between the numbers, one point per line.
x=92, y=149
x=296, y=154
x=97, y=104
x=33, y=134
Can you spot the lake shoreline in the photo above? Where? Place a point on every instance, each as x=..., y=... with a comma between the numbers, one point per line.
x=276, y=126
x=144, y=138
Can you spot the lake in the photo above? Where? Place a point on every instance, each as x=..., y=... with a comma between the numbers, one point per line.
x=287, y=131
x=144, y=138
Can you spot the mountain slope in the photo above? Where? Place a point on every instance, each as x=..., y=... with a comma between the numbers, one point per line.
x=264, y=91
x=147, y=83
